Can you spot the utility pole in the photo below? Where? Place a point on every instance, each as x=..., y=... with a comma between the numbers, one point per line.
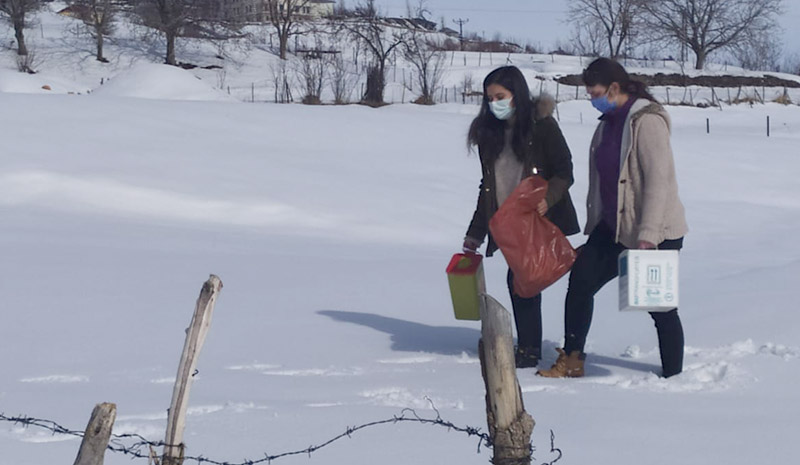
x=461, y=23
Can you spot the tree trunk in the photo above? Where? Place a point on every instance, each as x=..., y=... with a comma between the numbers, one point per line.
x=701, y=59
x=617, y=51
x=171, y=48
x=375, y=85
x=100, y=57
x=19, y=28
x=283, y=40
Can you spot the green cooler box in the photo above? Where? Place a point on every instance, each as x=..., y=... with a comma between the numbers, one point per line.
x=465, y=276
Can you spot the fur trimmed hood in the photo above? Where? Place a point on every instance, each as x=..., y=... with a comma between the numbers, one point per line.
x=544, y=106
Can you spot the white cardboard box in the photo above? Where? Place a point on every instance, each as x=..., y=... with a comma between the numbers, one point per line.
x=648, y=280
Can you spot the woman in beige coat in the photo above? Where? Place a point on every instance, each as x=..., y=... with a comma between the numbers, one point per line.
x=632, y=203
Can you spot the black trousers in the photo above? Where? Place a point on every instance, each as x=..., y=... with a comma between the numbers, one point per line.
x=527, y=318
x=595, y=266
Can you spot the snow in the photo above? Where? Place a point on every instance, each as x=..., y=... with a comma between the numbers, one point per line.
x=15, y=82
x=161, y=82
x=331, y=227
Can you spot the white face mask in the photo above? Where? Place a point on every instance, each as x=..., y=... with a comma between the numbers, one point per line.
x=502, y=109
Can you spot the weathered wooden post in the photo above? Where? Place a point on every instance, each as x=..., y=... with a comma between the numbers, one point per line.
x=558, y=114
x=510, y=427
x=98, y=432
x=195, y=337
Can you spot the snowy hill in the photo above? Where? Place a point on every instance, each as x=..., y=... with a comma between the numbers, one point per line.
x=330, y=227
x=245, y=68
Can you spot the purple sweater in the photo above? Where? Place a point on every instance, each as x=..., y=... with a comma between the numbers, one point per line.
x=607, y=158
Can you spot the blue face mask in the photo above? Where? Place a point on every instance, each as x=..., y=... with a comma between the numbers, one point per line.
x=603, y=105
x=502, y=109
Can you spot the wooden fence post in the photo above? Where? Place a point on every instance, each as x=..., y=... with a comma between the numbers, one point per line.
x=98, y=432
x=510, y=427
x=195, y=337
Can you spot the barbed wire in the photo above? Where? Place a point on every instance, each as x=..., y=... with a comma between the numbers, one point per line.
x=142, y=447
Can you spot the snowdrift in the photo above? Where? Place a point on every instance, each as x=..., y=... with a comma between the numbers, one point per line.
x=160, y=82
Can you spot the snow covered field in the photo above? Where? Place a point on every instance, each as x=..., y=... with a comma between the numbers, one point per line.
x=331, y=237
x=331, y=228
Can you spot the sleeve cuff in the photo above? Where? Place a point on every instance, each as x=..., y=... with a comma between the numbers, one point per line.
x=650, y=236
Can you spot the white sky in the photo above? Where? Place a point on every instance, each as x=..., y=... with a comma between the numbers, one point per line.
x=540, y=21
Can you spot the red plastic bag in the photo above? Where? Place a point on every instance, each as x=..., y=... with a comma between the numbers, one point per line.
x=535, y=249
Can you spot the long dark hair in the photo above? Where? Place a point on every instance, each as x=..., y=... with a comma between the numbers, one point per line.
x=604, y=71
x=488, y=132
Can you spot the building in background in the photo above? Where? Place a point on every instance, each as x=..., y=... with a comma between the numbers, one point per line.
x=257, y=11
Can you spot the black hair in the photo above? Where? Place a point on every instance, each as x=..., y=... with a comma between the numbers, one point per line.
x=605, y=71
x=488, y=132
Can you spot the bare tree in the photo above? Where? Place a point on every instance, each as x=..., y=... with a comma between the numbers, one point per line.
x=419, y=10
x=280, y=79
x=705, y=26
x=429, y=61
x=342, y=78
x=183, y=18
x=588, y=37
x=310, y=71
x=29, y=62
x=17, y=13
x=99, y=16
x=616, y=19
x=759, y=51
x=791, y=64
x=285, y=16
x=467, y=82
x=368, y=30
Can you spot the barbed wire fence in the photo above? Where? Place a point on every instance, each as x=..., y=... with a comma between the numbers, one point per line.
x=138, y=446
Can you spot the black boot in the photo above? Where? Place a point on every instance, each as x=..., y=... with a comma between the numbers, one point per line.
x=527, y=357
x=670, y=342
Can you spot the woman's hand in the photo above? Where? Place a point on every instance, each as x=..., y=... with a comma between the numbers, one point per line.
x=471, y=245
x=644, y=245
x=542, y=207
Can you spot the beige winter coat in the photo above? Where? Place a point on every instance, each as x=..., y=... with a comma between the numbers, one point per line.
x=649, y=208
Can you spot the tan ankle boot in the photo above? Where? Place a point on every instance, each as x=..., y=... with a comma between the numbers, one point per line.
x=566, y=366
